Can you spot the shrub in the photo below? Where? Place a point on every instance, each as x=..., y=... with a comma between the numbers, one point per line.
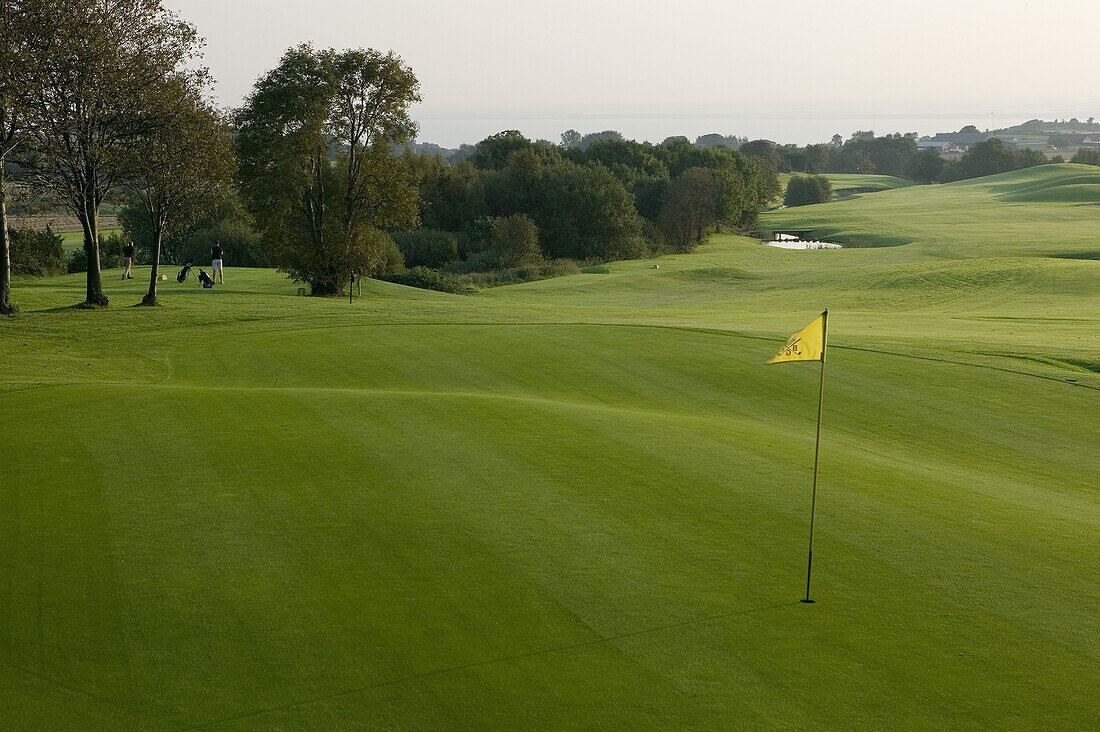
x=226, y=223
x=426, y=247
x=391, y=261
x=803, y=190
x=110, y=254
x=426, y=279
x=243, y=246
x=517, y=275
x=1088, y=156
x=516, y=241
x=36, y=253
x=513, y=241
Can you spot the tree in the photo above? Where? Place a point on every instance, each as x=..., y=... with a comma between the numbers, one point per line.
x=451, y=196
x=315, y=140
x=693, y=206
x=224, y=219
x=101, y=64
x=626, y=159
x=570, y=138
x=714, y=139
x=887, y=155
x=516, y=241
x=987, y=158
x=492, y=152
x=177, y=168
x=586, y=213
x=803, y=190
x=850, y=160
x=14, y=128
x=1087, y=156
x=925, y=166
x=817, y=157
x=426, y=247
x=592, y=137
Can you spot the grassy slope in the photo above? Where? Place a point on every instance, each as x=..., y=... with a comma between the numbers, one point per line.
x=866, y=180
x=574, y=502
x=842, y=181
x=73, y=240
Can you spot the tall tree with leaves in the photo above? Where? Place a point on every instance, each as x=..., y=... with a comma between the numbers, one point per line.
x=15, y=81
x=180, y=167
x=102, y=64
x=315, y=142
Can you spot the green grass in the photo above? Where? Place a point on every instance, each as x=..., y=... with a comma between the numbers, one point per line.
x=846, y=181
x=866, y=180
x=1044, y=211
x=579, y=502
x=73, y=240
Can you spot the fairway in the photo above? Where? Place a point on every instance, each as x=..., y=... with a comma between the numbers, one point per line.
x=574, y=503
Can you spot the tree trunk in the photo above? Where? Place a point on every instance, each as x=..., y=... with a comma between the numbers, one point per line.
x=151, y=296
x=5, y=256
x=89, y=221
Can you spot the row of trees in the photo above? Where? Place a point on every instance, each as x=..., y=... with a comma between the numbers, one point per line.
x=894, y=154
x=862, y=153
x=98, y=98
x=610, y=198
x=103, y=101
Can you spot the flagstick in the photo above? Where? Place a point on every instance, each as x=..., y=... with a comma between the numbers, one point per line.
x=817, y=448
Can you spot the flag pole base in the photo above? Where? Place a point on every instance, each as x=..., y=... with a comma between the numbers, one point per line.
x=808, y=602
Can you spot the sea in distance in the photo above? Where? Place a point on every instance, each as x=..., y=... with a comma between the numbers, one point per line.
x=453, y=127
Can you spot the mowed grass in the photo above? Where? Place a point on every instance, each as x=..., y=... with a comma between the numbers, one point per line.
x=847, y=181
x=580, y=502
x=866, y=180
x=1049, y=210
x=74, y=240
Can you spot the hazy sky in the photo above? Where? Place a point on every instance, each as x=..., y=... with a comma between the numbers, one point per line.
x=560, y=64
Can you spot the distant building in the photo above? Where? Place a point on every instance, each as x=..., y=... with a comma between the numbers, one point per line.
x=965, y=140
x=937, y=146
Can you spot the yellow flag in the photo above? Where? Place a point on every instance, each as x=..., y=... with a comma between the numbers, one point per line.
x=807, y=344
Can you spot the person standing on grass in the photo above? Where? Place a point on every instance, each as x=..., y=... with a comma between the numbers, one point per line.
x=216, y=262
x=128, y=260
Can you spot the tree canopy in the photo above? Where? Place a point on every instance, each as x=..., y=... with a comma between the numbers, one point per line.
x=99, y=70
x=315, y=141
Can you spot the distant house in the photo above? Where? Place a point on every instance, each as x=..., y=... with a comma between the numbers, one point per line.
x=942, y=147
x=966, y=140
x=962, y=140
x=1090, y=141
x=1075, y=139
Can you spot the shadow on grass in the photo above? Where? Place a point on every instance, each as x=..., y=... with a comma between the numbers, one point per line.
x=75, y=306
x=1095, y=254
x=863, y=241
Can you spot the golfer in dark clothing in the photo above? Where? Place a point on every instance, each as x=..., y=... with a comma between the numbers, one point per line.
x=216, y=262
x=128, y=260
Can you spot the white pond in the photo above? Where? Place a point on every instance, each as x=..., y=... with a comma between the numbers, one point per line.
x=801, y=244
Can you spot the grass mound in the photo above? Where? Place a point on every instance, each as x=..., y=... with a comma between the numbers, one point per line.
x=1078, y=188
x=1030, y=213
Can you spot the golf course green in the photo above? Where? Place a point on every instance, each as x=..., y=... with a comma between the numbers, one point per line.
x=575, y=503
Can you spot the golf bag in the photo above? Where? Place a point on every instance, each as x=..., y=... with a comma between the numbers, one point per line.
x=185, y=271
x=204, y=278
